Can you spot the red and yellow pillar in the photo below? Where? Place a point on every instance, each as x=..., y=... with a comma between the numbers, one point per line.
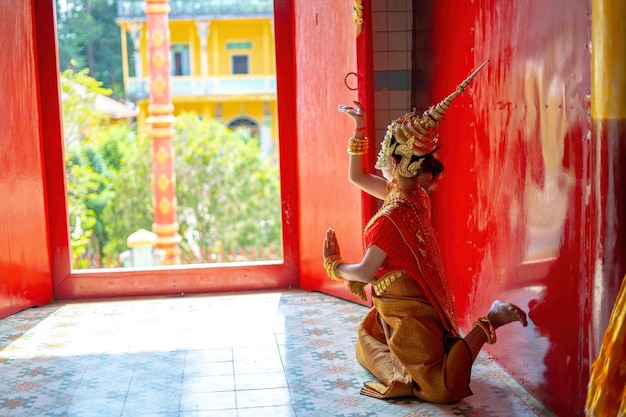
x=608, y=114
x=160, y=122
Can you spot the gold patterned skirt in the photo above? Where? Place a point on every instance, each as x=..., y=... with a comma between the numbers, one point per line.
x=403, y=343
x=607, y=385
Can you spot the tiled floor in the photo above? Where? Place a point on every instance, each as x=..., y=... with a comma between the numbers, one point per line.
x=271, y=354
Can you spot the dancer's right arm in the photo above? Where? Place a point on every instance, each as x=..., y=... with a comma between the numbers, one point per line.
x=357, y=171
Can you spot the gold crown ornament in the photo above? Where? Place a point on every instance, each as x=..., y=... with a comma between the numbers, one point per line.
x=417, y=135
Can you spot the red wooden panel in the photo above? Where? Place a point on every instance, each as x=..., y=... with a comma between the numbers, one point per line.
x=24, y=262
x=325, y=53
x=512, y=208
x=53, y=145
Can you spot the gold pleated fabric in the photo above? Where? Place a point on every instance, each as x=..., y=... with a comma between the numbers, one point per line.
x=607, y=386
x=404, y=344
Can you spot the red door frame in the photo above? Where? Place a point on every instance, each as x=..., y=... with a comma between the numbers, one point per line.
x=180, y=279
x=326, y=65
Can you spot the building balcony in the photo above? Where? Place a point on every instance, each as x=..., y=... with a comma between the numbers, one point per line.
x=218, y=87
x=194, y=9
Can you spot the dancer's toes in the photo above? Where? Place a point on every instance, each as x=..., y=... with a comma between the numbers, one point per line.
x=502, y=313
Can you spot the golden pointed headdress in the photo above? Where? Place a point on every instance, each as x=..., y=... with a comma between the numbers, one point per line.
x=417, y=135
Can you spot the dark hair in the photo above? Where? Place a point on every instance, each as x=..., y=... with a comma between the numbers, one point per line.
x=430, y=164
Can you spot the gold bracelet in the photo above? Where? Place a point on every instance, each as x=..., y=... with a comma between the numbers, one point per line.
x=485, y=325
x=358, y=146
x=330, y=264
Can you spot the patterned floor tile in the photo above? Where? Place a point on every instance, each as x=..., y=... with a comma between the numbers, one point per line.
x=171, y=357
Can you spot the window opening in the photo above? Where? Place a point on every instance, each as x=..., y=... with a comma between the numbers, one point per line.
x=240, y=64
x=180, y=65
x=110, y=147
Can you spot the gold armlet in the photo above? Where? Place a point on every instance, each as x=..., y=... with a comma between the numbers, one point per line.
x=358, y=146
x=330, y=265
x=487, y=327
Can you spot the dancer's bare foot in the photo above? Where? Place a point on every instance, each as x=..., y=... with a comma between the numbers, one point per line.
x=502, y=313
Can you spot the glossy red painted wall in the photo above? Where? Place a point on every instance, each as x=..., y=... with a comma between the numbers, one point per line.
x=326, y=198
x=513, y=208
x=25, y=278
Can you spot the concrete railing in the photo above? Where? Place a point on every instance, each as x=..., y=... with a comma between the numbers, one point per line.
x=134, y=9
x=209, y=86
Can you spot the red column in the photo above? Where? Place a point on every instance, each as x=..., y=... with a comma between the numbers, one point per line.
x=160, y=121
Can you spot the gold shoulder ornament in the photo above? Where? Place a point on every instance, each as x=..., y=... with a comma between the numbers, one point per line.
x=357, y=16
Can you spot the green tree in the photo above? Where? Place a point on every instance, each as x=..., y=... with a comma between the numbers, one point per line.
x=94, y=151
x=88, y=37
x=130, y=207
x=228, y=193
x=81, y=121
x=88, y=195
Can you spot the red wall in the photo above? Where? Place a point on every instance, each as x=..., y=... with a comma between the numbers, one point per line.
x=517, y=210
x=24, y=263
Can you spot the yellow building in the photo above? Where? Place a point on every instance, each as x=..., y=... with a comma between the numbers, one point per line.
x=222, y=62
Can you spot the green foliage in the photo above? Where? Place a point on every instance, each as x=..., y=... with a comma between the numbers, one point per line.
x=93, y=151
x=116, y=143
x=82, y=221
x=81, y=120
x=130, y=207
x=228, y=193
x=88, y=195
x=88, y=37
